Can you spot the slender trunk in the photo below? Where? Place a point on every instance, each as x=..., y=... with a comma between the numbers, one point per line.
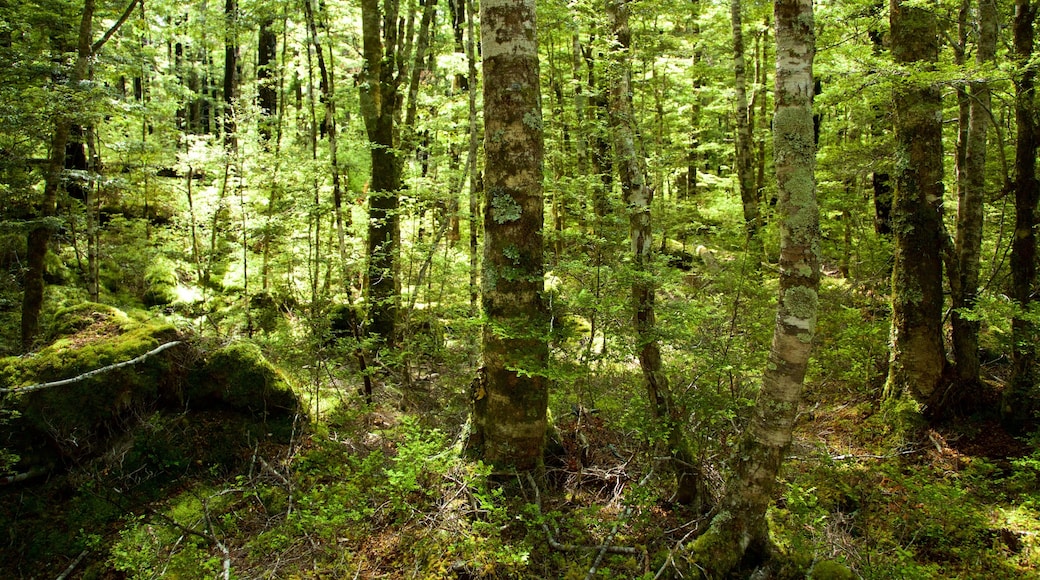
x=918, y=358
x=471, y=159
x=39, y=237
x=509, y=410
x=971, y=199
x=638, y=197
x=230, y=71
x=744, y=160
x=1019, y=400
x=739, y=534
x=328, y=90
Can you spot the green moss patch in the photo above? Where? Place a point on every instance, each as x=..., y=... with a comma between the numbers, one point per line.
x=238, y=375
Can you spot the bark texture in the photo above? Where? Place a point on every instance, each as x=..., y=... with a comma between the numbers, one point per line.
x=1019, y=400
x=918, y=360
x=380, y=99
x=509, y=417
x=739, y=533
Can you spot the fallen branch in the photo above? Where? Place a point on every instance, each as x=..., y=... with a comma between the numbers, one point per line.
x=72, y=566
x=626, y=550
x=93, y=373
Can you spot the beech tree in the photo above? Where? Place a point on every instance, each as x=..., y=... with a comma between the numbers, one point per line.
x=380, y=101
x=1020, y=398
x=918, y=359
x=739, y=533
x=510, y=398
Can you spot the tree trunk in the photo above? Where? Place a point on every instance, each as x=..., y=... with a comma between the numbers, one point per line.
x=739, y=534
x=39, y=236
x=509, y=415
x=744, y=160
x=230, y=71
x=1019, y=400
x=638, y=197
x=918, y=360
x=971, y=199
x=379, y=99
x=471, y=159
x=267, y=94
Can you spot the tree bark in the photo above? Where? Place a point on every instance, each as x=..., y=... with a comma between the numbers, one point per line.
x=39, y=236
x=739, y=534
x=267, y=93
x=1019, y=399
x=379, y=101
x=509, y=416
x=918, y=359
x=230, y=71
x=970, y=203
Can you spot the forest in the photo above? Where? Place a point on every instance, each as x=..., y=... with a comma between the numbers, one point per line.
x=511, y=289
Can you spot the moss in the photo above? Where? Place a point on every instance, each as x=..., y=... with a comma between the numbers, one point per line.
x=160, y=283
x=238, y=375
x=830, y=570
x=79, y=415
x=79, y=317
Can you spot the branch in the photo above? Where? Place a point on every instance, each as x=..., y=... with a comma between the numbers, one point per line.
x=94, y=48
x=93, y=373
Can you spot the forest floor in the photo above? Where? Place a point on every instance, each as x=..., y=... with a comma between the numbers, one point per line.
x=349, y=490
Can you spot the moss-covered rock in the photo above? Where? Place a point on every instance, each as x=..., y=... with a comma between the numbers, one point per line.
x=80, y=415
x=830, y=570
x=79, y=317
x=238, y=375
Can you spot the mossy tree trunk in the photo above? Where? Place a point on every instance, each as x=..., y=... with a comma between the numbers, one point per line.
x=380, y=99
x=918, y=359
x=738, y=535
x=40, y=236
x=971, y=199
x=509, y=417
x=1020, y=398
x=638, y=196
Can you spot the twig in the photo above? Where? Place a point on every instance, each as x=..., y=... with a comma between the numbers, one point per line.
x=626, y=550
x=93, y=373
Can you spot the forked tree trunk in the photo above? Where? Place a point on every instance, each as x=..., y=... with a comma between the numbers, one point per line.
x=739, y=534
x=1019, y=400
x=509, y=415
x=918, y=359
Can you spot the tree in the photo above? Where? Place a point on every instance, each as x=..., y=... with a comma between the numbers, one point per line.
x=1019, y=399
x=740, y=532
x=971, y=199
x=744, y=161
x=380, y=100
x=40, y=235
x=509, y=415
x=638, y=196
x=918, y=360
